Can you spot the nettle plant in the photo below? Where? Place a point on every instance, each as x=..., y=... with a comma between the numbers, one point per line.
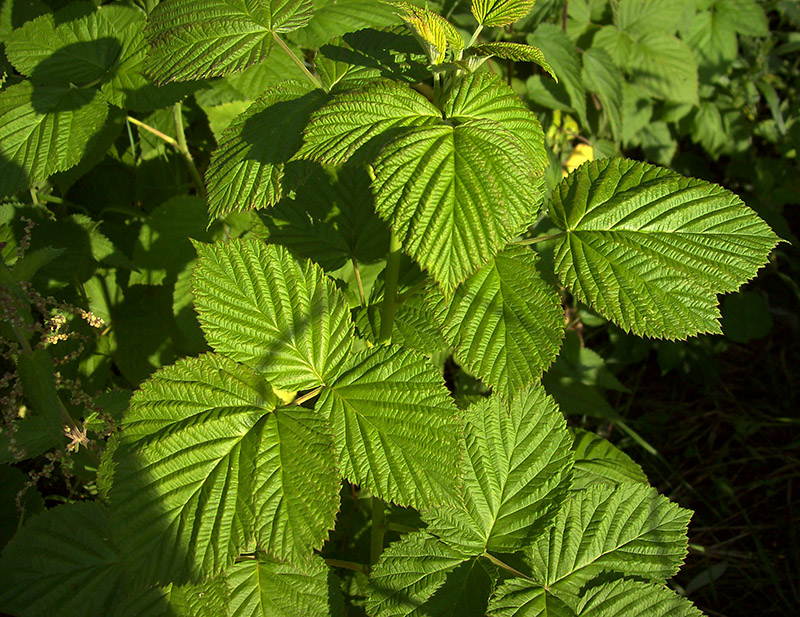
x=225, y=482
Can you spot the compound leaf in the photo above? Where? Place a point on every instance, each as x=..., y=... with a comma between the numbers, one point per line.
x=62, y=562
x=362, y=117
x=517, y=473
x=500, y=12
x=519, y=52
x=258, y=306
x=624, y=597
x=208, y=468
x=598, y=460
x=395, y=427
x=484, y=96
x=195, y=39
x=455, y=195
x=248, y=171
x=629, y=529
x=518, y=598
x=333, y=18
x=264, y=587
x=650, y=249
x=505, y=322
x=409, y=573
x=44, y=130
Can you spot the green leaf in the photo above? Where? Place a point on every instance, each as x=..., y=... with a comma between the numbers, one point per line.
x=518, y=598
x=334, y=18
x=263, y=587
x=456, y=195
x=505, y=322
x=331, y=219
x=484, y=96
x=395, y=426
x=713, y=40
x=598, y=460
x=62, y=562
x=195, y=39
x=249, y=170
x=413, y=325
x=661, y=64
x=562, y=54
x=650, y=249
x=431, y=27
x=641, y=16
x=518, y=52
x=408, y=575
x=79, y=51
x=623, y=597
x=209, y=468
x=35, y=371
x=516, y=475
x=44, y=130
x=126, y=84
x=747, y=17
x=604, y=79
x=362, y=118
x=500, y=12
x=629, y=529
x=258, y=306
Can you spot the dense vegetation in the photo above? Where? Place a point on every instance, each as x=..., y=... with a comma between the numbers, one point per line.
x=353, y=307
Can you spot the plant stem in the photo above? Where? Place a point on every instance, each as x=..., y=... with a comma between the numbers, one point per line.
x=348, y=565
x=358, y=282
x=540, y=238
x=378, y=530
x=390, y=289
x=506, y=567
x=197, y=179
x=152, y=130
x=309, y=75
x=307, y=396
x=475, y=35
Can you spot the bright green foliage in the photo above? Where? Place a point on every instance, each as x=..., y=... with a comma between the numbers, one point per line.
x=264, y=587
x=514, y=51
x=432, y=28
x=651, y=249
x=258, y=306
x=516, y=474
x=624, y=597
x=360, y=118
x=395, y=427
x=248, y=171
x=62, y=562
x=504, y=322
x=60, y=121
x=628, y=529
x=500, y=12
x=409, y=573
x=381, y=254
x=209, y=466
x=597, y=460
x=191, y=39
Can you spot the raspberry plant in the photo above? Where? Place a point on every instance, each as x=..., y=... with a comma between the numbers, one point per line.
x=221, y=492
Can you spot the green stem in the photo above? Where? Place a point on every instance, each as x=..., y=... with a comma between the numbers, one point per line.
x=360, y=285
x=506, y=567
x=390, y=289
x=347, y=565
x=309, y=75
x=152, y=130
x=378, y=530
x=475, y=35
x=307, y=396
x=540, y=238
x=183, y=148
